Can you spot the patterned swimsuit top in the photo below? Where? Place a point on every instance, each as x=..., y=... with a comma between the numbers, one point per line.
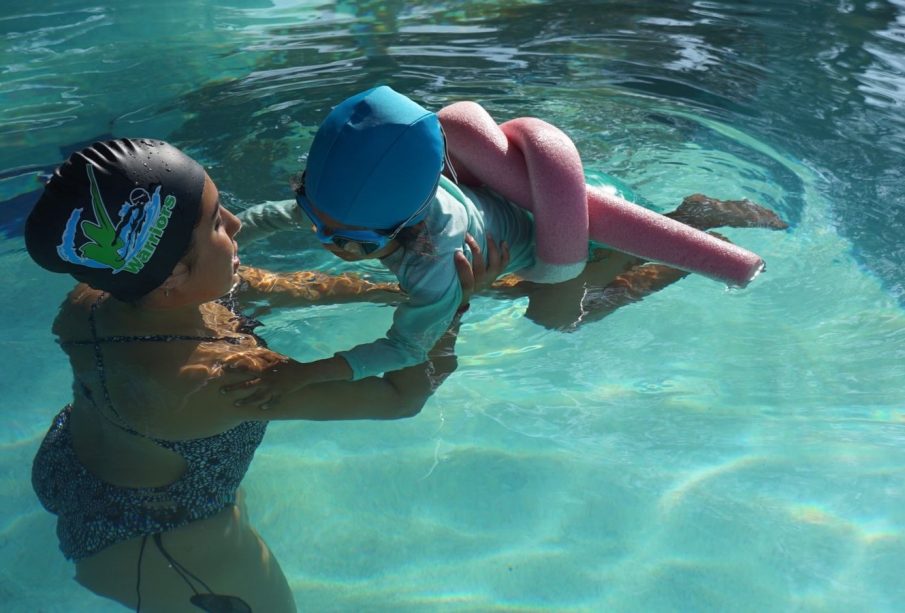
x=215, y=465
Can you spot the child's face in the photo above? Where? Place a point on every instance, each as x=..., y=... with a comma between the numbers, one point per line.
x=350, y=243
x=349, y=252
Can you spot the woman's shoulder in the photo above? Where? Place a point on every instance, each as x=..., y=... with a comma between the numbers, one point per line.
x=83, y=297
x=73, y=316
x=172, y=380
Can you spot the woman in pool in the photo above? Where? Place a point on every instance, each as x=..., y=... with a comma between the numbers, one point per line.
x=143, y=467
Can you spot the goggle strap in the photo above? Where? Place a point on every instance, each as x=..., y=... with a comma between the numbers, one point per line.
x=447, y=161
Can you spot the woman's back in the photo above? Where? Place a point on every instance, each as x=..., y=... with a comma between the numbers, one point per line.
x=141, y=443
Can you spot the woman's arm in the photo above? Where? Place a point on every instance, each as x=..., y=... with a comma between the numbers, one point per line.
x=298, y=288
x=202, y=387
x=395, y=395
x=189, y=401
x=283, y=377
x=303, y=288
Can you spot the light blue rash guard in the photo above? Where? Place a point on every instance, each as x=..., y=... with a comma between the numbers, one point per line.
x=426, y=270
x=430, y=279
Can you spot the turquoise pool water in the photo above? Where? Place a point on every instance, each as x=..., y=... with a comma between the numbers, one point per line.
x=703, y=450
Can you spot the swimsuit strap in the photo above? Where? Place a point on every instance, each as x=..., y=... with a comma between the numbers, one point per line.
x=151, y=338
x=96, y=341
x=246, y=324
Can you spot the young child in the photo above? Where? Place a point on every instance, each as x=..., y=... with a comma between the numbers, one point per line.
x=374, y=188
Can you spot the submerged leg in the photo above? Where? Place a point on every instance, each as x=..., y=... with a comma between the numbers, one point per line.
x=631, y=228
x=629, y=287
x=643, y=278
x=224, y=551
x=613, y=279
x=535, y=165
x=702, y=212
x=564, y=306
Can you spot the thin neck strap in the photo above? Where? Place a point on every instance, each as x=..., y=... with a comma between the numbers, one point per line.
x=96, y=341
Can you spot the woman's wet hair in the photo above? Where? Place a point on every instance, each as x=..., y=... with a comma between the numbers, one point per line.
x=118, y=215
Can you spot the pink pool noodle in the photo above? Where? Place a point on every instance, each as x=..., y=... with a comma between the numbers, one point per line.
x=535, y=165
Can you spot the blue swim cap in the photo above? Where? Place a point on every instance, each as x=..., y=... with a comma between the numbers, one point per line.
x=375, y=160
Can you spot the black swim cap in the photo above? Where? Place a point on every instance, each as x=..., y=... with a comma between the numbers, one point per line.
x=118, y=215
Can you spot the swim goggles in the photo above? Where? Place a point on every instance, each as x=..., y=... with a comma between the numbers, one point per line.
x=359, y=242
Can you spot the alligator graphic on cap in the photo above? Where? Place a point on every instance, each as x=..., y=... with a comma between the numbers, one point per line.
x=125, y=245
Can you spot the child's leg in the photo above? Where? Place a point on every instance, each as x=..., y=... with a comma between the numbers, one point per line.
x=631, y=228
x=631, y=286
x=606, y=293
x=702, y=212
x=613, y=279
x=567, y=305
x=535, y=165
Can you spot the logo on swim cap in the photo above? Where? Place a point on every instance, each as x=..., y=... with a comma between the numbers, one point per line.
x=125, y=245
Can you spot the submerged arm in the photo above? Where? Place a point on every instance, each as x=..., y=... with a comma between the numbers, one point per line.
x=283, y=376
x=286, y=289
x=204, y=410
x=306, y=287
x=395, y=395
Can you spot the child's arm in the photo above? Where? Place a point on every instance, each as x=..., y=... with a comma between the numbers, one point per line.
x=264, y=219
x=414, y=329
x=438, y=289
x=289, y=376
x=434, y=296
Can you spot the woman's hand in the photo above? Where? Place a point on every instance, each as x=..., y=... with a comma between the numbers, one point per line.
x=285, y=377
x=262, y=386
x=477, y=276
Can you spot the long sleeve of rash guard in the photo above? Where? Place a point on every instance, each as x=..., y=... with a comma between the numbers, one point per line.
x=264, y=219
x=418, y=323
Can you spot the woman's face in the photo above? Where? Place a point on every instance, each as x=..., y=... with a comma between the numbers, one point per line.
x=214, y=260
